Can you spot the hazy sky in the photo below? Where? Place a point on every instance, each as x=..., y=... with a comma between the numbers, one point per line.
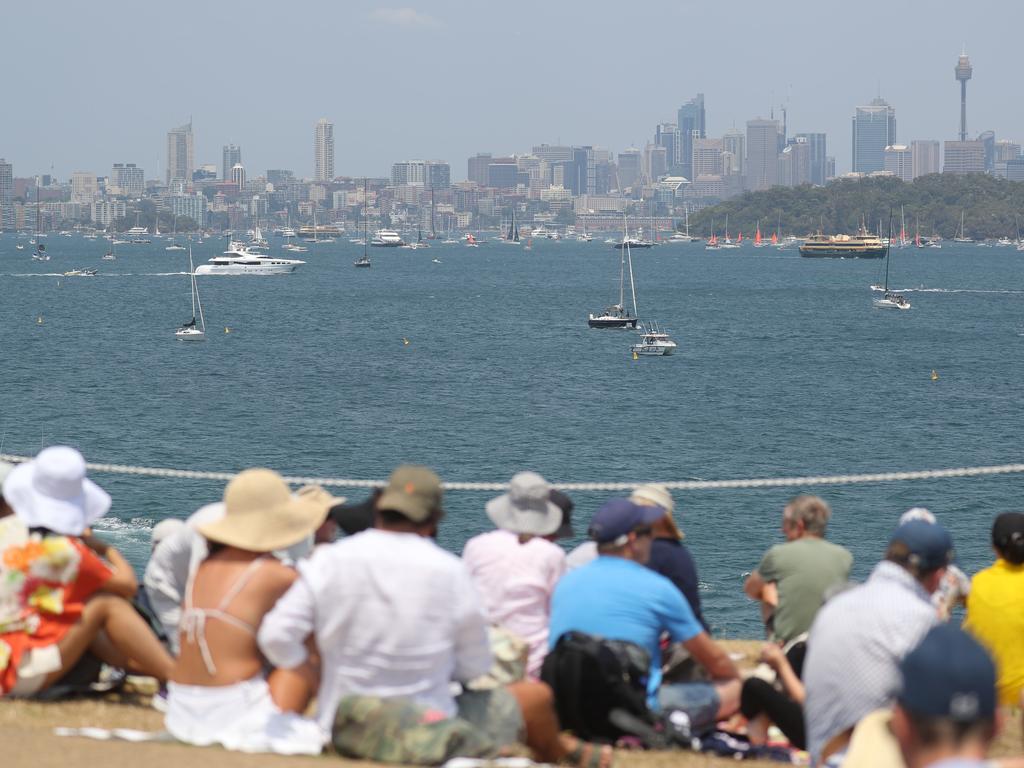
x=89, y=84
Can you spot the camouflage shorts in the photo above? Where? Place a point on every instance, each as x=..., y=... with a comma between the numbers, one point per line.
x=495, y=712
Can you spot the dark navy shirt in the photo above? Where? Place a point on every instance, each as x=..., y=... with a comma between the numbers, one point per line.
x=673, y=560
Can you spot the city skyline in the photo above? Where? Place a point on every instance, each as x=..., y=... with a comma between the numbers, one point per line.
x=442, y=88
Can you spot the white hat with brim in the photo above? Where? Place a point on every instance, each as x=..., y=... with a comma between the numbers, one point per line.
x=527, y=508
x=659, y=496
x=261, y=514
x=52, y=492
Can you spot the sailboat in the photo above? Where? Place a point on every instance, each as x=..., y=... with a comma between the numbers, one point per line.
x=712, y=244
x=193, y=331
x=40, y=254
x=174, y=234
x=364, y=260
x=685, y=236
x=961, y=235
x=890, y=299
x=617, y=316
x=512, y=235
x=727, y=242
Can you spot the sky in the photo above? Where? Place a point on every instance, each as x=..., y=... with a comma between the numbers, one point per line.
x=91, y=84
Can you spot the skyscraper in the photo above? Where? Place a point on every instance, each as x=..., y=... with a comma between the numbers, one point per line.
x=874, y=129
x=817, y=147
x=899, y=161
x=126, y=180
x=180, y=155
x=6, y=195
x=323, y=150
x=231, y=155
x=691, y=122
x=734, y=145
x=762, y=154
x=924, y=157
x=476, y=170
x=629, y=167
x=963, y=73
x=667, y=135
x=237, y=175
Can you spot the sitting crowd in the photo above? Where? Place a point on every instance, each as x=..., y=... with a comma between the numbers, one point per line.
x=268, y=633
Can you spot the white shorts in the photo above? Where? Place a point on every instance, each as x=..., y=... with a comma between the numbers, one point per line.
x=240, y=717
x=33, y=669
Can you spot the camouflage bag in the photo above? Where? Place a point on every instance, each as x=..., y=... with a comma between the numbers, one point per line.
x=399, y=731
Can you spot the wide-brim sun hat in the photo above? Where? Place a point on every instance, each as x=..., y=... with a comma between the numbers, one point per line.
x=261, y=514
x=51, y=491
x=527, y=508
x=659, y=496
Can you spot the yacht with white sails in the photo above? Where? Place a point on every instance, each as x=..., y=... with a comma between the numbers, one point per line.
x=617, y=315
x=239, y=259
x=193, y=331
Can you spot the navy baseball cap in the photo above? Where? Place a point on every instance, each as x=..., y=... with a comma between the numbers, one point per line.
x=949, y=675
x=929, y=544
x=620, y=516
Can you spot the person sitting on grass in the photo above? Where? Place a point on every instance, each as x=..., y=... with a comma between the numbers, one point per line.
x=395, y=617
x=219, y=692
x=63, y=591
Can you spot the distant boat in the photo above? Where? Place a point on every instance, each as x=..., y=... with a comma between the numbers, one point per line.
x=40, y=254
x=961, y=237
x=387, y=238
x=512, y=235
x=364, y=260
x=617, y=315
x=191, y=331
x=890, y=299
x=81, y=273
x=653, y=343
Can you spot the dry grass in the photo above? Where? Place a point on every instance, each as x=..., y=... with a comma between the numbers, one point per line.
x=26, y=733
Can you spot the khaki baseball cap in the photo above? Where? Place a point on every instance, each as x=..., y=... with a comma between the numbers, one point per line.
x=412, y=491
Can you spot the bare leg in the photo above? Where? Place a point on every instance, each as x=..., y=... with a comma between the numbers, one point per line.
x=729, y=698
x=124, y=632
x=757, y=730
x=537, y=703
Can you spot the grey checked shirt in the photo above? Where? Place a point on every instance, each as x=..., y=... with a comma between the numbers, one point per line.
x=855, y=647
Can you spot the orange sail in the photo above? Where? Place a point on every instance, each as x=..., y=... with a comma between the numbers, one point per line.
x=739, y=238
x=757, y=236
x=775, y=238
x=713, y=240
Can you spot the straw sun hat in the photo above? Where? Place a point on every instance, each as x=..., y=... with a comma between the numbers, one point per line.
x=261, y=514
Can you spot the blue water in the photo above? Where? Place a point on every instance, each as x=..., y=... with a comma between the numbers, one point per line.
x=784, y=368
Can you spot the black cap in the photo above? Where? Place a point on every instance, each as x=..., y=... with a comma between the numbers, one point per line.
x=564, y=503
x=353, y=518
x=1008, y=529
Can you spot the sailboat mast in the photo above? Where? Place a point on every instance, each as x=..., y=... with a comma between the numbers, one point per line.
x=622, y=273
x=364, y=216
x=632, y=285
x=888, y=245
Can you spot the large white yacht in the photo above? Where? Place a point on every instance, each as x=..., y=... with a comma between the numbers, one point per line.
x=239, y=259
x=387, y=238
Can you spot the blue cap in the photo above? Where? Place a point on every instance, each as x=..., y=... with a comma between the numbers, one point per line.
x=949, y=675
x=620, y=516
x=929, y=544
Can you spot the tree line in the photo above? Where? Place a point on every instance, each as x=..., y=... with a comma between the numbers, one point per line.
x=933, y=204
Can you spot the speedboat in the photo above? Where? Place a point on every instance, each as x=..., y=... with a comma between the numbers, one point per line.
x=238, y=259
x=892, y=300
x=654, y=343
x=386, y=238
x=81, y=273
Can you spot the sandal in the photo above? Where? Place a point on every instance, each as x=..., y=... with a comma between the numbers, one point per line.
x=590, y=755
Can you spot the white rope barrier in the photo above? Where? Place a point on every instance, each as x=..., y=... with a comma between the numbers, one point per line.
x=681, y=485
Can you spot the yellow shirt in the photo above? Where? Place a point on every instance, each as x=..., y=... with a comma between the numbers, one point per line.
x=995, y=616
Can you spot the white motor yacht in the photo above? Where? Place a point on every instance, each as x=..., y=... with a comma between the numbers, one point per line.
x=654, y=343
x=238, y=259
x=387, y=238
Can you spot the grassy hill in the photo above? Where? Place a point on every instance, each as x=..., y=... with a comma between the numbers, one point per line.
x=991, y=207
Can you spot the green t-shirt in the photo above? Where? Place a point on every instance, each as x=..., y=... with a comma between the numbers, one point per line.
x=803, y=571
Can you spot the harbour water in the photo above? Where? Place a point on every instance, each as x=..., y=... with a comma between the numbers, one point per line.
x=783, y=368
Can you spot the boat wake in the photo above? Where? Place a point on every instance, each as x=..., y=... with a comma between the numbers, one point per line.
x=954, y=290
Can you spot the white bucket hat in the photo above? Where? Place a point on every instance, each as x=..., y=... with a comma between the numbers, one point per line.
x=527, y=507
x=52, y=492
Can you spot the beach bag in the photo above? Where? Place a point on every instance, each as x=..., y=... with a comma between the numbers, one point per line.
x=600, y=687
x=399, y=731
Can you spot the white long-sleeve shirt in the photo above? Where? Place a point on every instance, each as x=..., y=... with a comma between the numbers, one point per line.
x=394, y=615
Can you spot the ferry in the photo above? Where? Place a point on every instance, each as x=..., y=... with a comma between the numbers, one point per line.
x=860, y=246
x=387, y=238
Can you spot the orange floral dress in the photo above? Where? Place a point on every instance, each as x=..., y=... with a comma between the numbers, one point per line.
x=45, y=582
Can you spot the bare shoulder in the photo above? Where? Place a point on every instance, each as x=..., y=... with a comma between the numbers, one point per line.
x=275, y=576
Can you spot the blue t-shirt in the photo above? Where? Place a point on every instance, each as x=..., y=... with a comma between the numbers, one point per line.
x=618, y=599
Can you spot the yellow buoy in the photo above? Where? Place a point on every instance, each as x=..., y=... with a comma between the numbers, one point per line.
x=226, y=329
x=405, y=341
x=935, y=375
x=39, y=320
x=635, y=355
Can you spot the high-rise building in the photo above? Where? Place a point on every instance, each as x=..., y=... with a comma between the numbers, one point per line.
x=707, y=158
x=762, y=154
x=231, y=156
x=126, y=180
x=477, y=168
x=924, y=157
x=553, y=153
x=323, y=150
x=655, y=162
x=6, y=195
x=629, y=167
x=962, y=157
x=691, y=121
x=502, y=173
x=238, y=176
x=816, y=145
x=180, y=156
x=83, y=186
x=988, y=140
x=667, y=135
x=191, y=206
x=734, y=144
x=899, y=161
x=1005, y=151
x=874, y=129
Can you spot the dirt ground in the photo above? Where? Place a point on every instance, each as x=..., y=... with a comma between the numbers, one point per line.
x=27, y=739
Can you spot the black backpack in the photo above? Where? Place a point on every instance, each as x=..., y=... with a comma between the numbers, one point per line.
x=600, y=688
